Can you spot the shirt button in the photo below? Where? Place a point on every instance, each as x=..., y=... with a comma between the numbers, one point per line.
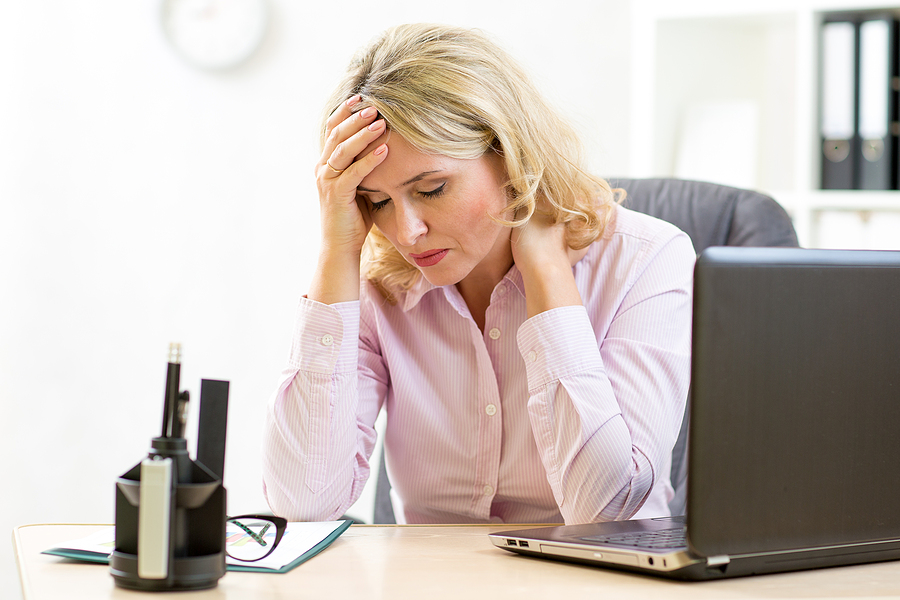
x=532, y=356
x=501, y=291
x=488, y=490
x=494, y=333
x=491, y=410
x=327, y=340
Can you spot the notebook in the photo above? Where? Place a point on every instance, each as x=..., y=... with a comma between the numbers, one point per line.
x=794, y=438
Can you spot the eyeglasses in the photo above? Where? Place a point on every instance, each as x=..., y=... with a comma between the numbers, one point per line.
x=249, y=538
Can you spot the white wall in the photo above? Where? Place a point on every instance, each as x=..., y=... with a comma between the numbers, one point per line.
x=143, y=201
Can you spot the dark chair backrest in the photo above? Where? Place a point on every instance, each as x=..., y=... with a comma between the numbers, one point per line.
x=712, y=215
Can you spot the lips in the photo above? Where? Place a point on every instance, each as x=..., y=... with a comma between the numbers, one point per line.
x=430, y=258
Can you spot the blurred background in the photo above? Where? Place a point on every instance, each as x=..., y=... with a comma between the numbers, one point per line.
x=146, y=198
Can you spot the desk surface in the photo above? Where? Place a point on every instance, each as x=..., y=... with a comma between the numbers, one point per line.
x=454, y=562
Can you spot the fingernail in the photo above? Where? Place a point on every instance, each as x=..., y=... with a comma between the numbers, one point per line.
x=380, y=150
x=368, y=112
x=376, y=125
x=353, y=100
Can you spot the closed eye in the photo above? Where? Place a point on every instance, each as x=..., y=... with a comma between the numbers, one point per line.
x=435, y=192
x=376, y=206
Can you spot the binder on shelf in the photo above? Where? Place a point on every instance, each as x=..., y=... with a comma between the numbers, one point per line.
x=838, y=94
x=878, y=80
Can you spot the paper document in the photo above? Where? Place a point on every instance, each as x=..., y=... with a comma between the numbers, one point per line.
x=301, y=542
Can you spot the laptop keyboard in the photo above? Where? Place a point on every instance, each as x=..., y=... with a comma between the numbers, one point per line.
x=662, y=539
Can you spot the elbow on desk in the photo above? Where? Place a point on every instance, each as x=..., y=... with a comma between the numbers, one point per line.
x=304, y=506
x=634, y=479
x=282, y=505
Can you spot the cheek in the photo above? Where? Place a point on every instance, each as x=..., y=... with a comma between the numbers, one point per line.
x=488, y=204
x=384, y=226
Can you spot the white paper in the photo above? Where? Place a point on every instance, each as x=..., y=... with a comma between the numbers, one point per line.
x=299, y=538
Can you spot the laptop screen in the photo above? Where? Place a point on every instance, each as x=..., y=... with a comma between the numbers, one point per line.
x=795, y=415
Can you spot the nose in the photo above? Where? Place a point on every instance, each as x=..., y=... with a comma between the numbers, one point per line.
x=410, y=225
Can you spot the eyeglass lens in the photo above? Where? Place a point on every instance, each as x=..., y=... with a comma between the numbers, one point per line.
x=249, y=539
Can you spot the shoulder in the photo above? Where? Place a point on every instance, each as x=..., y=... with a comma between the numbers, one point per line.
x=629, y=224
x=634, y=237
x=637, y=258
x=635, y=245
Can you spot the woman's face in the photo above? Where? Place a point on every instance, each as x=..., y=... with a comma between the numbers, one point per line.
x=435, y=211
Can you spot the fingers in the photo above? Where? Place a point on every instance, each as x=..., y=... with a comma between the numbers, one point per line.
x=347, y=151
x=348, y=135
x=341, y=113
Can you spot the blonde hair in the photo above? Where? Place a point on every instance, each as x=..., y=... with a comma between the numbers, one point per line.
x=452, y=91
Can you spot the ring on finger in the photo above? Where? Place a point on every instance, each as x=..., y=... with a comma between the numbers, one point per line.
x=338, y=171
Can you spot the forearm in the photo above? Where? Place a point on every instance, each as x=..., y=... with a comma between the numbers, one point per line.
x=599, y=475
x=314, y=467
x=603, y=421
x=336, y=278
x=316, y=443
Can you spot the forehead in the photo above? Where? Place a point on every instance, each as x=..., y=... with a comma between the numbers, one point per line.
x=402, y=163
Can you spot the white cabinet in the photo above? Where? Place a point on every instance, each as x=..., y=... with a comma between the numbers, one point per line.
x=730, y=87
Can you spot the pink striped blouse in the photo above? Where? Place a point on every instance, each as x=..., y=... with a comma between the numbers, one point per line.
x=568, y=416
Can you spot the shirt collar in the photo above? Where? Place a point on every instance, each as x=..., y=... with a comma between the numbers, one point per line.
x=410, y=299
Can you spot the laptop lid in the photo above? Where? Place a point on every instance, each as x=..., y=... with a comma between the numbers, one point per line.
x=795, y=422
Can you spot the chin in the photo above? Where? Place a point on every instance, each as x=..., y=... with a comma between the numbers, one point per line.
x=441, y=277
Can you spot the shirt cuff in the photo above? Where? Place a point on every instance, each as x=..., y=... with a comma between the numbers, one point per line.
x=326, y=337
x=557, y=343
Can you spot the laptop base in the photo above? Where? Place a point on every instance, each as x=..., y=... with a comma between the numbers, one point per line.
x=564, y=543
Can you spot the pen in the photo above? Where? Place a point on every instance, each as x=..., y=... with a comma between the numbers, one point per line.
x=180, y=421
x=173, y=374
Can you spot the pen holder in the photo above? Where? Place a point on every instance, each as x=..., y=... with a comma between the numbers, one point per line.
x=170, y=522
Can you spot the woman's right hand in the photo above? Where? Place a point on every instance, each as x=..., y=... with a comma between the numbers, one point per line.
x=346, y=220
x=341, y=168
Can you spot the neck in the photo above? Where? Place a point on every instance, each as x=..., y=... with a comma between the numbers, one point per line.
x=476, y=288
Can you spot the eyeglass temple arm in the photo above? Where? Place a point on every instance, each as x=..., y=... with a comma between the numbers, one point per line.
x=256, y=536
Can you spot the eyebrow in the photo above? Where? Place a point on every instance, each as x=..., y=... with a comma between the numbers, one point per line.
x=404, y=184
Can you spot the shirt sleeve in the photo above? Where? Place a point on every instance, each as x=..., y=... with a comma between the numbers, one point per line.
x=319, y=436
x=606, y=407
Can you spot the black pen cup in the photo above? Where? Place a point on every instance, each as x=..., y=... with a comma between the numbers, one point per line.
x=183, y=525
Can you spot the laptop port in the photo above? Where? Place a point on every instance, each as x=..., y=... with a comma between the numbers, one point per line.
x=523, y=543
x=511, y=542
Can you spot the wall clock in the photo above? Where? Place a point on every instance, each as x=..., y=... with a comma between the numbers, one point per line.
x=215, y=34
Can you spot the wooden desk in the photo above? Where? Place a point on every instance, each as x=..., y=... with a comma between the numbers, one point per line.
x=432, y=563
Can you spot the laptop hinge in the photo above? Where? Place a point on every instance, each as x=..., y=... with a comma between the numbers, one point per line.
x=717, y=561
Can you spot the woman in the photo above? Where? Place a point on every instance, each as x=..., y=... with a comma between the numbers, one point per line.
x=527, y=337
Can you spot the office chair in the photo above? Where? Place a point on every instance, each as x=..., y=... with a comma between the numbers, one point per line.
x=712, y=215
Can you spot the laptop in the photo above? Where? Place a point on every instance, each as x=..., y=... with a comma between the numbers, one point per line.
x=794, y=437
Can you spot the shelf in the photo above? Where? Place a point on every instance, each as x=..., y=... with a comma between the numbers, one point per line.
x=691, y=9
x=758, y=59
x=839, y=200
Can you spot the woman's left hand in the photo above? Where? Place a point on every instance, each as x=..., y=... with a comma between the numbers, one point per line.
x=545, y=260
